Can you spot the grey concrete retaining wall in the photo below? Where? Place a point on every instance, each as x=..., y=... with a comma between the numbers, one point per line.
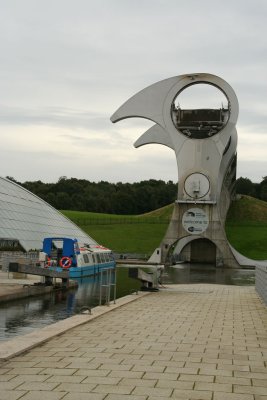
x=16, y=256
x=261, y=282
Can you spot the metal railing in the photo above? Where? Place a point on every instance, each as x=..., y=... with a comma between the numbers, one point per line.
x=261, y=282
x=106, y=282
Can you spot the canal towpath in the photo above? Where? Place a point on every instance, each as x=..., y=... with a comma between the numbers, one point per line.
x=193, y=341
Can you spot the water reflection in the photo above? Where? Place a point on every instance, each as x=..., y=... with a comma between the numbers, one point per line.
x=205, y=273
x=19, y=318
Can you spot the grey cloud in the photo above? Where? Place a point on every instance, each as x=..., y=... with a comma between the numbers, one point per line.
x=54, y=116
x=71, y=64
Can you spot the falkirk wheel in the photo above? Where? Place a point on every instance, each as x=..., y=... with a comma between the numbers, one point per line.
x=204, y=141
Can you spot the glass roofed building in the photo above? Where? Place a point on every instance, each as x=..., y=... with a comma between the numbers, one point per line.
x=26, y=219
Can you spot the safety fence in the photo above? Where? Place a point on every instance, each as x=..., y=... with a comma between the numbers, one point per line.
x=261, y=282
x=119, y=221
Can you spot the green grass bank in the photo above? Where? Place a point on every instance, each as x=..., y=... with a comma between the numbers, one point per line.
x=246, y=228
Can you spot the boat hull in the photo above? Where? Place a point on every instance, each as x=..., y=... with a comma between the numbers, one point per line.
x=86, y=270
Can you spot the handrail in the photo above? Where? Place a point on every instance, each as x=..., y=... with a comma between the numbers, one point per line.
x=108, y=285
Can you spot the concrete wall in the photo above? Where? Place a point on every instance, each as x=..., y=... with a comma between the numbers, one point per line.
x=261, y=282
x=16, y=256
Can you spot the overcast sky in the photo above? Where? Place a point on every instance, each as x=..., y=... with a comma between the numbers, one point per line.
x=67, y=65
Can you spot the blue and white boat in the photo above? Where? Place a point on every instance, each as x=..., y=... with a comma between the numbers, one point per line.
x=80, y=260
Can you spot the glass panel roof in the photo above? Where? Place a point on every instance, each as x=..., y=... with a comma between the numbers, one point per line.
x=29, y=219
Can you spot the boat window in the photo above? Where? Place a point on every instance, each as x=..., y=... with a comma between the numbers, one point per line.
x=102, y=258
x=106, y=257
x=93, y=258
x=98, y=258
x=85, y=258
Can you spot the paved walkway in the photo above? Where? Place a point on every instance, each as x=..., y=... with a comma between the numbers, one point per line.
x=204, y=342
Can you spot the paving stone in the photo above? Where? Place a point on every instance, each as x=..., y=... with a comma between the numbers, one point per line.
x=233, y=380
x=125, y=397
x=48, y=386
x=52, y=364
x=116, y=367
x=215, y=372
x=75, y=387
x=214, y=387
x=152, y=392
x=196, y=378
x=191, y=394
x=256, y=375
x=57, y=371
x=138, y=382
x=14, y=395
x=84, y=396
x=105, y=380
x=201, y=344
x=25, y=371
x=64, y=378
x=148, y=368
x=81, y=364
x=126, y=374
x=120, y=389
x=21, y=364
x=158, y=375
x=257, y=369
x=232, y=396
x=162, y=383
x=182, y=370
x=173, y=364
x=260, y=382
x=38, y=395
x=9, y=385
x=30, y=378
x=5, y=378
x=200, y=365
x=92, y=372
x=250, y=389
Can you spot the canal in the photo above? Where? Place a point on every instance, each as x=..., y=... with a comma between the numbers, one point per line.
x=19, y=318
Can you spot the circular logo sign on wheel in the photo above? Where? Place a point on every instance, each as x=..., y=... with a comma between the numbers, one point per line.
x=195, y=221
x=197, y=185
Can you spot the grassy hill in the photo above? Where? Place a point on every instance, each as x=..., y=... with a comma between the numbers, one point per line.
x=246, y=228
x=125, y=233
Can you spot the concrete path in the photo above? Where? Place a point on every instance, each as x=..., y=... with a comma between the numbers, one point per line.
x=14, y=286
x=204, y=342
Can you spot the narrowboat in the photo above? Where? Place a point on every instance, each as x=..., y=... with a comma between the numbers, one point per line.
x=80, y=260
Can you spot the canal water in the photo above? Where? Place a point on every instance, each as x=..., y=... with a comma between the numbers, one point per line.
x=19, y=318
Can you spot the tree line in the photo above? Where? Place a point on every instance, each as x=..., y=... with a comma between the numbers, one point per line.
x=120, y=198
x=258, y=190
x=104, y=197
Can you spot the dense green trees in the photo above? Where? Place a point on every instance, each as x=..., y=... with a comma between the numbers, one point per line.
x=104, y=197
x=121, y=198
x=258, y=190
